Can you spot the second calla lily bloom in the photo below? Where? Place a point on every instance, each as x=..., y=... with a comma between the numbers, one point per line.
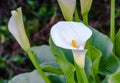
x=67, y=7
x=16, y=27
x=85, y=6
x=72, y=35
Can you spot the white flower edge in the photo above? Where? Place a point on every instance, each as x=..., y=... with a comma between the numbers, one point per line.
x=16, y=27
x=63, y=33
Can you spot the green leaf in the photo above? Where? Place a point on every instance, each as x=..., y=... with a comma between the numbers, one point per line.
x=34, y=77
x=114, y=78
x=88, y=64
x=51, y=67
x=95, y=56
x=47, y=60
x=108, y=63
x=54, y=78
x=103, y=43
x=43, y=53
x=66, y=67
x=105, y=80
x=68, y=55
x=117, y=44
x=110, y=66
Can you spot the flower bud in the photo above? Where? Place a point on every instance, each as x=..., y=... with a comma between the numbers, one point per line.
x=85, y=6
x=67, y=7
x=16, y=27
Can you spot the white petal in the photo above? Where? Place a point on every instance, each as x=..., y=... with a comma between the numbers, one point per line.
x=16, y=27
x=63, y=33
x=67, y=7
x=79, y=57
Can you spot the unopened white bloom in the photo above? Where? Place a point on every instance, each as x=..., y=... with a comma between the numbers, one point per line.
x=67, y=7
x=72, y=35
x=16, y=27
x=85, y=6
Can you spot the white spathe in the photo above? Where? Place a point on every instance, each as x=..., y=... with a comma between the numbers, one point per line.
x=68, y=8
x=16, y=27
x=63, y=33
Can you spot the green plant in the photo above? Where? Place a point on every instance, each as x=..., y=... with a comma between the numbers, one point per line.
x=67, y=63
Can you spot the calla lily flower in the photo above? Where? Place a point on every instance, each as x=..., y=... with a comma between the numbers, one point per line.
x=73, y=36
x=85, y=6
x=67, y=7
x=16, y=27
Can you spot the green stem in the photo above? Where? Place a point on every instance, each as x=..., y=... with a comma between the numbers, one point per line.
x=36, y=65
x=112, y=22
x=85, y=19
x=82, y=71
x=83, y=74
x=77, y=19
x=78, y=74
